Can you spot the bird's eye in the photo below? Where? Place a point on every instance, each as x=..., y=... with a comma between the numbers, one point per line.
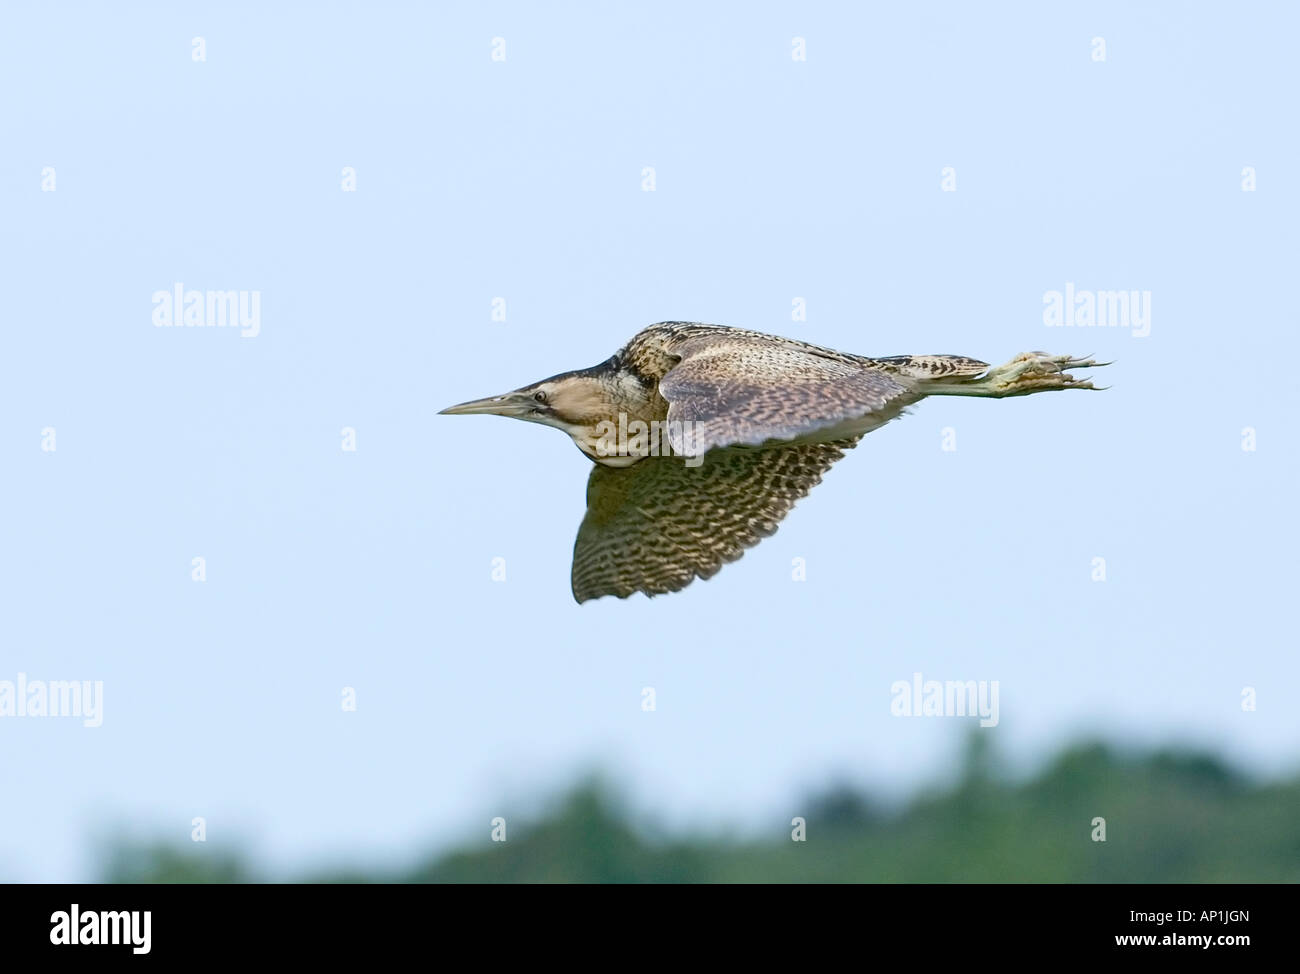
x=540, y=397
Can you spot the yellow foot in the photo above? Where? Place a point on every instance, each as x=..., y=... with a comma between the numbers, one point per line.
x=1035, y=372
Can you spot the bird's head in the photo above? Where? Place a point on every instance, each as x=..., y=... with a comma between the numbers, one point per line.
x=576, y=402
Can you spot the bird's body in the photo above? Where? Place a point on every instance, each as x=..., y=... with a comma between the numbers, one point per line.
x=705, y=436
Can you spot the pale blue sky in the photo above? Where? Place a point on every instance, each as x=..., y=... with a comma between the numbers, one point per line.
x=522, y=179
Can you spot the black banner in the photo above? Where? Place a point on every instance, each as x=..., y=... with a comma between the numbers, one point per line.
x=148, y=923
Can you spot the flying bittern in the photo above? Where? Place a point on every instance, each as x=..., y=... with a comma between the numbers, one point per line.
x=704, y=437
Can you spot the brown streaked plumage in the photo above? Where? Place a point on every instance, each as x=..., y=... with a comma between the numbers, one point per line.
x=704, y=437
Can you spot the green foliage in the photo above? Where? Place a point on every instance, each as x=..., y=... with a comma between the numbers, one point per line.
x=1170, y=818
x=130, y=863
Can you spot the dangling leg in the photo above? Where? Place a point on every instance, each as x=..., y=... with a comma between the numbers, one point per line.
x=1023, y=375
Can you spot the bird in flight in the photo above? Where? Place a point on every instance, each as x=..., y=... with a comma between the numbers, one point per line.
x=705, y=436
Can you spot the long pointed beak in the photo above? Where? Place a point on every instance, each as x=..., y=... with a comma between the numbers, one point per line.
x=511, y=404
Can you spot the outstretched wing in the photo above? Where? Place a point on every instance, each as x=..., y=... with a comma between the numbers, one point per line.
x=737, y=388
x=654, y=526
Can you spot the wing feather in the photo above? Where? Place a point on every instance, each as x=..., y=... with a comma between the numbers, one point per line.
x=655, y=526
x=746, y=389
